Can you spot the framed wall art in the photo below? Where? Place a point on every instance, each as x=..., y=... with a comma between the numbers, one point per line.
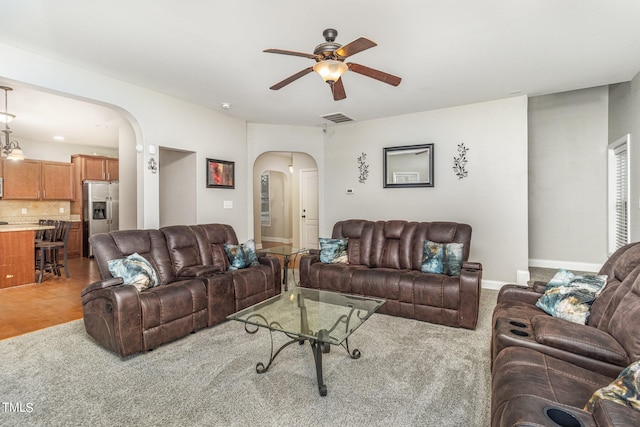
x=408, y=166
x=220, y=174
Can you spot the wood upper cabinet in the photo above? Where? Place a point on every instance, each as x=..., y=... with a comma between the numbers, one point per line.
x=37, y=180
x=96, y=168
x=57, y=181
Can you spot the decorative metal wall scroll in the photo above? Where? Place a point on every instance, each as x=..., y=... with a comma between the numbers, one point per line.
x=460, y=162
x=363, y=167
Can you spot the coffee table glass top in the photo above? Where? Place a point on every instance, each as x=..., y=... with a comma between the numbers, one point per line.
x=282, y=250
x=323, y=316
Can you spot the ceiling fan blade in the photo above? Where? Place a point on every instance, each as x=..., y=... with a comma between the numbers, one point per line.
x=355, y=46
x=375, y=74
x=337, y=88
x=290, y=79
x=292, y=53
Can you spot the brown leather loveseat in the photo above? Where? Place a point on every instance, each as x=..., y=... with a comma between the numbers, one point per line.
x=545, y=369
x=384, y=261
x=196, y=287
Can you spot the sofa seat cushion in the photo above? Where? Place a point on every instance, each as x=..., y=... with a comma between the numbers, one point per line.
x=333, y=277
x=166, y=303
x=517, y=371
x=252, y=285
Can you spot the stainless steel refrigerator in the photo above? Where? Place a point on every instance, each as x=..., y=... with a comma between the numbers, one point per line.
x=100, y=210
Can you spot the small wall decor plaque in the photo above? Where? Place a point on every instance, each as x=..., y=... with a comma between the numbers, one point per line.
x=460, y=162
x=363, y=167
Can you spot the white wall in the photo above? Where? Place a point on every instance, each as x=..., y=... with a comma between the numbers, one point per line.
x=59, y=152
x=156, y=119
x=568, y=179
x=492, y=199
x=178, y=185
x=624, y=118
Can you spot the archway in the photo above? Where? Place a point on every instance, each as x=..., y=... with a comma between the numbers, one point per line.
x=278, y=194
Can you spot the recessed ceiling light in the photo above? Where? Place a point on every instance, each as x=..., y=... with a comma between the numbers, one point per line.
x=226, y=105
x=58, y=138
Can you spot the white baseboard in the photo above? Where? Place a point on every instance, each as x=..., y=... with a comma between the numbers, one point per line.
x=567, y=265
x=493, y=284
x=282, y=240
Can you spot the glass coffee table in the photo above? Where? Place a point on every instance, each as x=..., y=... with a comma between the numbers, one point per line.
x=321, y=317
x=286, y=252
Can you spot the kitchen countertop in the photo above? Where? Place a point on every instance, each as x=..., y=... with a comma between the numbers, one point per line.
x=23, y=227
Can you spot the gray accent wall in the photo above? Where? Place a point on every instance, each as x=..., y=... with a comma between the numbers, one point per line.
x=568, y=141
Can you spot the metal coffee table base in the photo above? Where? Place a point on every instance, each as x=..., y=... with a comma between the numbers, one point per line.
x=318, y=346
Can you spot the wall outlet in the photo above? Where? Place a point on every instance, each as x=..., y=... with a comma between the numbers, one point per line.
x=61, y=210
x=349, y=191
x=24, y=211
x=228, y=204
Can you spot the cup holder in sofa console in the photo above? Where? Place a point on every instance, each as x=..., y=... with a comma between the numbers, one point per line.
x=561, y=417
x=519, y=333
x=517, y=324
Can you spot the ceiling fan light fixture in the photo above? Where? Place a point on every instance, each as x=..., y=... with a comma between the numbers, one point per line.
x=330, y=70
x=6, y=117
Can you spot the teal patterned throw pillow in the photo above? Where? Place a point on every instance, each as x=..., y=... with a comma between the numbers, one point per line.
x=242, y=256
x=624, y=390
x=134, y=270
x=442, y=258
x=569, y=296
x=333, y=251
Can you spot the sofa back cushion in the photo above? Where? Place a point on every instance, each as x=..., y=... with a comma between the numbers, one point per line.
x=613, y=295
x=392, y=244
x=359, y=232
x=439, y=232
x=182, y=244
x=623, y=323
x=211, y=240
x=150, y=244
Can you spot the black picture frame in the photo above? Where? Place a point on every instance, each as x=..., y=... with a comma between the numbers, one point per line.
x=408, y=166
x=221, y=174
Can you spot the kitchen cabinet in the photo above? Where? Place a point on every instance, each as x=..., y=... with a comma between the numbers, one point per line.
x=74, y=241
x=97, y=168
x=37, y=180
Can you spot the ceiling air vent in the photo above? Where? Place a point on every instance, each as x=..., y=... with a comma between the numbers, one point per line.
x=337, y=118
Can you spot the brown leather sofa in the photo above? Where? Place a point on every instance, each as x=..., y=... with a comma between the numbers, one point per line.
x=532, y=389
x=384, y=262
x=606, y=344
x=196, y=288
x=545, y=368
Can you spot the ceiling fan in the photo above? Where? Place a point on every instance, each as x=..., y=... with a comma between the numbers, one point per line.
x=329, y=57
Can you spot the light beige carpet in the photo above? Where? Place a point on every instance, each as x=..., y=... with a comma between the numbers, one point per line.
x=410, y=373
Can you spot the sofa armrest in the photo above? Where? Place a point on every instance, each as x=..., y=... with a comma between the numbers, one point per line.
x=539, y=286
x=101, y=284
x=305, y=263
x=112, y=315
x=607, y=413
x=470, y=285
x=578, y=339
x=198, y=271
x=524, y=294
x=274, y=263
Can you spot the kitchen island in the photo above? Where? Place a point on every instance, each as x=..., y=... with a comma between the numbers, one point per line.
x=17, y=253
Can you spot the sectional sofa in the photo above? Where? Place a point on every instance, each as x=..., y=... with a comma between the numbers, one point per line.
x=195, y=288
x=385, y=260
x=545, y=370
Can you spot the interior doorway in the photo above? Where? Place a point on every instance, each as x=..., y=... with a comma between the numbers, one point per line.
x=281, y=202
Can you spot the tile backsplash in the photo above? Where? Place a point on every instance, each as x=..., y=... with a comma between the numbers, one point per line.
x=30, y=211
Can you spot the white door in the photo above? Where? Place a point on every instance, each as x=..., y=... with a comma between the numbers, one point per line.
x=309, y=209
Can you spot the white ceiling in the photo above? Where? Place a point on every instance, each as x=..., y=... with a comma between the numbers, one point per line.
x=447, y=52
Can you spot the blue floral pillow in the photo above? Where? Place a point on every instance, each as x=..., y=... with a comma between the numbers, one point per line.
x=242, y=256
x=569, y=296
x=135, y=270
x=442, y=258
x=334, y=251
x=624, y=390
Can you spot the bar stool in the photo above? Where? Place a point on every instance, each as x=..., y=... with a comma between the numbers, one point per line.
x=48, y=250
